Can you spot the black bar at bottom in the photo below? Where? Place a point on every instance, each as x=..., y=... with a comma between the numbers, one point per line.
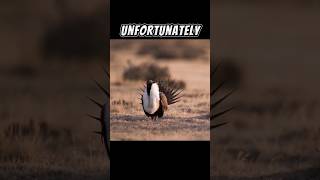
x=160, y=160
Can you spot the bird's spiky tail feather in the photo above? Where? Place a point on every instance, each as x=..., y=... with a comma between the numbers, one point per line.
x=104, y=117
x=171, y=90
x=214, y=104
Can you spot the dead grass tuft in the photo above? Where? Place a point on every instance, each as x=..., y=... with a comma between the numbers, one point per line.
x=172, y=51
x=146, y=71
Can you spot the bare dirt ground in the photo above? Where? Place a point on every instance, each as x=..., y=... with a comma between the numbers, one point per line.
x=185, y=120
x=274, y=132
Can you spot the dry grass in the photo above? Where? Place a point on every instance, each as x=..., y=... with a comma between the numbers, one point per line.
x=172, y=50
x=44, y=132
x=146, y=71
x=274, y=134
x=268, y=135
x=185, y=120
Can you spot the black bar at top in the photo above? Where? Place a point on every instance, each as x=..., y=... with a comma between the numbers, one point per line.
x=160, y=12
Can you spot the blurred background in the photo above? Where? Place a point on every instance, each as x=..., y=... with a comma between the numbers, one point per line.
x=268, y=51
x=50, y=53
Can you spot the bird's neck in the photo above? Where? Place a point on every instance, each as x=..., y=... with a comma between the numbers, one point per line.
x=153, y=96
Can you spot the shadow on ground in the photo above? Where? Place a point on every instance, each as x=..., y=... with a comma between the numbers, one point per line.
x=307, y=174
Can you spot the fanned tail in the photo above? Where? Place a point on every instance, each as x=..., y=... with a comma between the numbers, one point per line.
x=214, y=116
x=171, y=91
x=104, y=118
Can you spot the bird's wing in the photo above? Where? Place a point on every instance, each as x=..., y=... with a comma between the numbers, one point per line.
x=171, y=91
x=163, y=101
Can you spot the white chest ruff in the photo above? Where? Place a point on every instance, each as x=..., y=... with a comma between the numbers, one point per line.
x=151, y=103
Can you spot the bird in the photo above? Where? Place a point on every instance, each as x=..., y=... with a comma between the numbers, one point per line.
x=214, y=104
x=104, y=117
x=156, y=96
